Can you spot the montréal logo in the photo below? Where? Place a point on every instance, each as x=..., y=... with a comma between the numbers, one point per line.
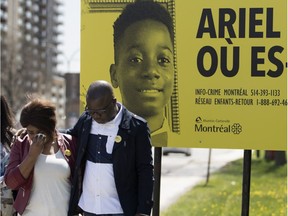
x=211, y=126
x=236, y=128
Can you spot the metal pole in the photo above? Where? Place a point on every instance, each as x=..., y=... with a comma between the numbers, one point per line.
x=246, y=183
x=157, y=182
x=208, y=167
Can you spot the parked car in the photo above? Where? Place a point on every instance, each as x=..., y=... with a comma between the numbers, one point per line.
x=168, y=150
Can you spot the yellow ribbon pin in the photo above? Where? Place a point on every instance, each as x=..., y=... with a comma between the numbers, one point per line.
x=118, y=139
x=67, y=152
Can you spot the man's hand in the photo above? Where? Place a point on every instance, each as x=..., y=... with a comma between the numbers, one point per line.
x=20, y=134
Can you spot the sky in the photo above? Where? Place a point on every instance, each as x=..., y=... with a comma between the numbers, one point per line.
x=69, y=59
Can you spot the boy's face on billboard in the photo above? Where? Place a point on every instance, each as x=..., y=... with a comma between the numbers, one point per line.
x=144, y=69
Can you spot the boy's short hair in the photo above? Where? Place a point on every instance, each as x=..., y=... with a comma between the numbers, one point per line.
x=141, y=10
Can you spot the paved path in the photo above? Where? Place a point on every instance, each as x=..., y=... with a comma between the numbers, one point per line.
x=180, y=173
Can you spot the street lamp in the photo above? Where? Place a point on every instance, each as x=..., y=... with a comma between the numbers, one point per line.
x=70, y=59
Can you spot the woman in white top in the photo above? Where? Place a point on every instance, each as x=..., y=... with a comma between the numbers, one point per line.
x=41, y=164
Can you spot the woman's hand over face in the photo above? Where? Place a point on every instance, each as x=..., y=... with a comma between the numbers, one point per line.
x=37, y=144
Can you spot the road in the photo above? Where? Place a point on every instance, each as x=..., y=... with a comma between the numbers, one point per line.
x=180, y=173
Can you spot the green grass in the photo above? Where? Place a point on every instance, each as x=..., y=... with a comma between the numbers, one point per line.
x=223, y=194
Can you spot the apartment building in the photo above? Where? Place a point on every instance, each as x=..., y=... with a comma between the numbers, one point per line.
x=29, y=50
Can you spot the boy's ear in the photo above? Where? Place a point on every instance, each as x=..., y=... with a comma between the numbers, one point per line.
x=113, y=76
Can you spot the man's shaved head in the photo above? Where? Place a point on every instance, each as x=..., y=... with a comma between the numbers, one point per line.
x=101, y=103
x=99, y=89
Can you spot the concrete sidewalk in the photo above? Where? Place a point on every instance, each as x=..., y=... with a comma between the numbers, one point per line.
x=181, y=173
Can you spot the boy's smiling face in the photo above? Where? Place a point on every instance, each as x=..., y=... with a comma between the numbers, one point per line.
x=144, y=69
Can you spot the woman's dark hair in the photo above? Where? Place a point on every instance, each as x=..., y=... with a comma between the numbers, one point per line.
x=41, y=114
x=138, y=11
x=7, y=122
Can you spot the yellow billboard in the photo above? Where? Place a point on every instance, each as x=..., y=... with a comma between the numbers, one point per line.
x=229, y=71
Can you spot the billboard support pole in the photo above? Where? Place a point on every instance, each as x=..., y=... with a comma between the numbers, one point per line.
x=157, y=182
x=208, y=167
x=246, y=183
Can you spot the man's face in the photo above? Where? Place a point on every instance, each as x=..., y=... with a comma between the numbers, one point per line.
x=102, y=109
x=144, y=69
